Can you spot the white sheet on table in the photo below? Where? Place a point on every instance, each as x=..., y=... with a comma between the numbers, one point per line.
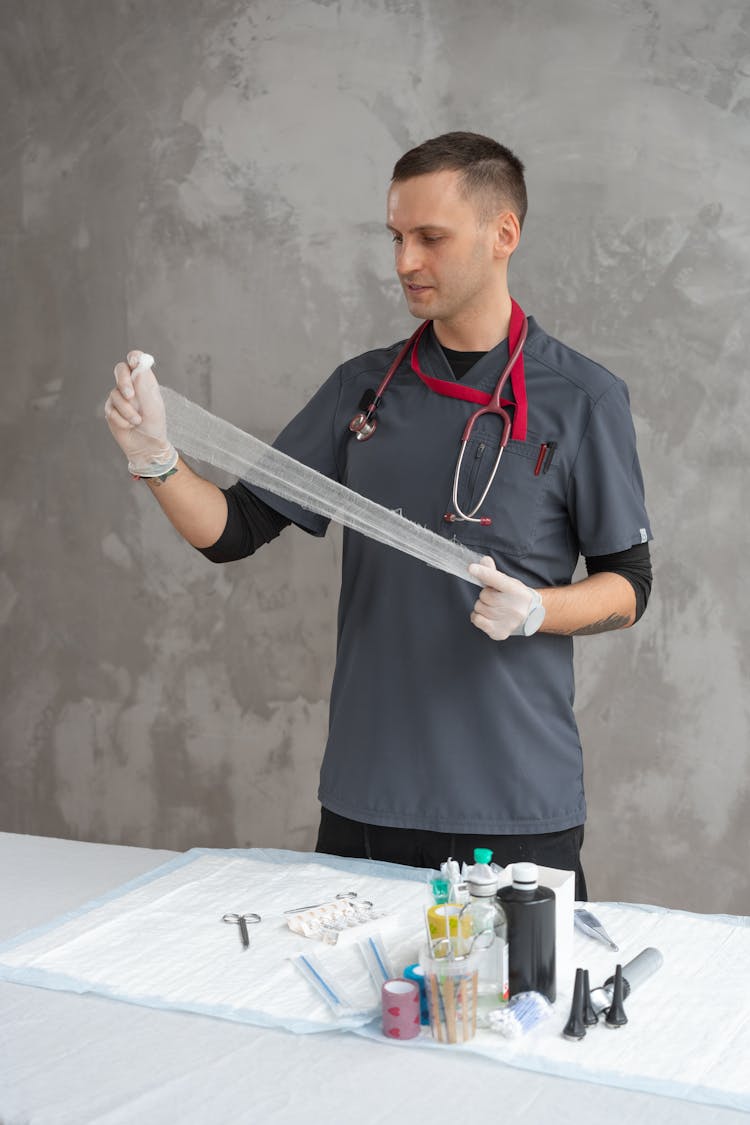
x=162, y=941
x=159, y=941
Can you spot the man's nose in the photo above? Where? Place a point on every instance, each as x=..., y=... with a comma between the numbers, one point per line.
x=408, y=258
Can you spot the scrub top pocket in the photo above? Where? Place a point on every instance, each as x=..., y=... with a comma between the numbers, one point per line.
x=514, y=501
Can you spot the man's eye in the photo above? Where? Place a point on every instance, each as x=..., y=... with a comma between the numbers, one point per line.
x=432, y=237
x=396, y=238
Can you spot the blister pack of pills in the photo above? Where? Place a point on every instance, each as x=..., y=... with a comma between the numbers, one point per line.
x=330, y=921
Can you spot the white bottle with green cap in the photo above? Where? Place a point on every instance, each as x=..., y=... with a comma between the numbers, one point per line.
x=490, y=930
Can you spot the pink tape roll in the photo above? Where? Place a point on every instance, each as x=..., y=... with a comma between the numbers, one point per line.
x=400, y=1009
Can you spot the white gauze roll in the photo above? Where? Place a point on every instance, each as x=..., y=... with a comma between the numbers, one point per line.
x=202, y=435
x=145, y=363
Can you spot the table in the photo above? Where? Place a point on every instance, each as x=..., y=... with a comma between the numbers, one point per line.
x=86, y=1060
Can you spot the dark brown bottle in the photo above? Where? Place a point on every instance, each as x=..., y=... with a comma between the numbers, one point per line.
x=530, y=910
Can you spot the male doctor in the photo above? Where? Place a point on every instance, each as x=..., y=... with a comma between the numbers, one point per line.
x=451, y=715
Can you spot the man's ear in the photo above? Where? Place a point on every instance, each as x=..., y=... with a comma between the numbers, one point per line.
x=507, y=231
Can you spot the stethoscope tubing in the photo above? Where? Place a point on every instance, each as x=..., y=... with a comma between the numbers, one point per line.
x=364, y=423
x=492, y=407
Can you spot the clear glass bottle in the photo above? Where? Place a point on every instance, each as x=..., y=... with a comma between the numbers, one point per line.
x=490, y=930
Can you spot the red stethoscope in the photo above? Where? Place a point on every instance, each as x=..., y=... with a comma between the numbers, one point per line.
x=364, y=423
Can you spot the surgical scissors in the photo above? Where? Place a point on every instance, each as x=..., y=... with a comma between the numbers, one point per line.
x=342, y=895
x=242, y=920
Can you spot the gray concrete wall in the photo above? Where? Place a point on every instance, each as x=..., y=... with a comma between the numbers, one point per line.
x=206, y=179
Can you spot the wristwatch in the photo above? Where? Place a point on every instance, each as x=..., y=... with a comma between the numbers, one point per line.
x=534, y=617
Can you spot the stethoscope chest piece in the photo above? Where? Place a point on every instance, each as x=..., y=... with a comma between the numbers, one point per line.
x=363, y=425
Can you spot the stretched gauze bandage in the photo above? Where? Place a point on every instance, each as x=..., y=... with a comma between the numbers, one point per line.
x=202, y=435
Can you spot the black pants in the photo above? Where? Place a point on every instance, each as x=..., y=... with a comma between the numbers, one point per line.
x=418, y=848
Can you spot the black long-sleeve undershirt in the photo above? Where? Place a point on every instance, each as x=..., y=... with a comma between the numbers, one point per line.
x=250, y=524
x=634, y=564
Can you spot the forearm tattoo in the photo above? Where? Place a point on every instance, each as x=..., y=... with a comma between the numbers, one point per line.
x=606, y=625
x=157, y=482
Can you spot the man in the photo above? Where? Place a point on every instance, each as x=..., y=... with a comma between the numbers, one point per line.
x=451, y=721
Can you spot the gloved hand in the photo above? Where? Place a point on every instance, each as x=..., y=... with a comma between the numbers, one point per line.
x=505, y=607
x=137, y=419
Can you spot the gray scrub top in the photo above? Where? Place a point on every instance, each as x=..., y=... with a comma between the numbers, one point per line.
x=433, y=725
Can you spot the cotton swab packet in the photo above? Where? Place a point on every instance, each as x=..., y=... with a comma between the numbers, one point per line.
x=326, y=984
x=376, y=959
x=525, y=1011
x=331, y=981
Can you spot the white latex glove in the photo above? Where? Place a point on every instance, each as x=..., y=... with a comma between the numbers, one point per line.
x=502, y=608
x=137, y=419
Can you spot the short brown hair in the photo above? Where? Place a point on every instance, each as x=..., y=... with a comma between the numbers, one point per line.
x=489, y=170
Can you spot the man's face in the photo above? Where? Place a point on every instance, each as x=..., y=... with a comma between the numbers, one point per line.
x=444, y=254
